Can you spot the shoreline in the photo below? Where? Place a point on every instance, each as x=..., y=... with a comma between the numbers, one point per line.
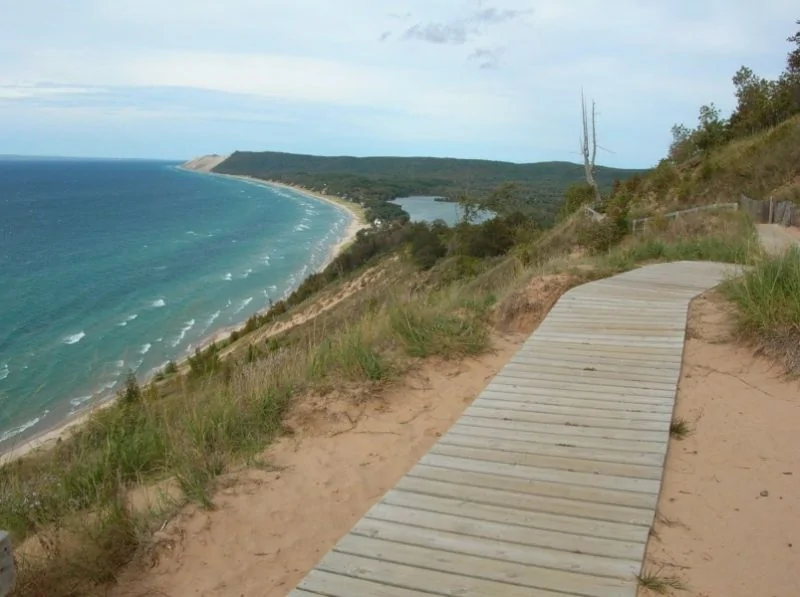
x=50, y=436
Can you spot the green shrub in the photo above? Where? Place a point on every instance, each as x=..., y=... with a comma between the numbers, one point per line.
x=426, y=246
x=599, y=237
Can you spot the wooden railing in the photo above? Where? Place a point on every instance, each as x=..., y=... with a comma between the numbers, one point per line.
x=770, y=211
x=641, y=223
x=593, y=213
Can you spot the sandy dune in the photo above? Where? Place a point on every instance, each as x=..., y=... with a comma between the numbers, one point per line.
x=728, y=520
x=204, y=163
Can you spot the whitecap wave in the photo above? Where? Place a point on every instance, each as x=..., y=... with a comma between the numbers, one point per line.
x=228, y=277
x=74, y=338
x=243, y=304
x=75, y=402
x=4, y=371
x=120, y=364
x=158, y=303
x=191, y=232
x=188, y=326
x=145, y=348
x=247, y=273
x=212, y=319
x=266, y=259
x=14, y=431
x=301, y=227
x=128, y=319
x=273, y=288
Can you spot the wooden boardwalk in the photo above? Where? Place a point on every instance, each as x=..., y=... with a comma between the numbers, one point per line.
x=547, y=485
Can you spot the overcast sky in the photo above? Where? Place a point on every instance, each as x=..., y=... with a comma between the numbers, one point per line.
x=497, y=79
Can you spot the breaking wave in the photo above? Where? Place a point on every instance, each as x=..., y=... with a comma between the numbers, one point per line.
x=74, y=339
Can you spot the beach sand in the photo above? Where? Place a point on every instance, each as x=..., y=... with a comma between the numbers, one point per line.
x=47, y=438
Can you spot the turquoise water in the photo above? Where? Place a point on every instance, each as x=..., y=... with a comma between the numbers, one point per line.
x=109, y=266
x=427, y=209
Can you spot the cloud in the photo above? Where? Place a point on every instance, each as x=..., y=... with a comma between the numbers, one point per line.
x=39, y=91
x=459, y=31
x=487, y=59
x=493, y=15
x=440, y=33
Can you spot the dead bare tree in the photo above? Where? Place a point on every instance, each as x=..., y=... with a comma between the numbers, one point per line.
x=589, y=148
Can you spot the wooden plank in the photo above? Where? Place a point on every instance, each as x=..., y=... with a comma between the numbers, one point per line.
x=421, y=579
x=543, y=474
x=535, y=406
x=653, y=370
x=328, y=584
x=589, y=350
x=577, y=465
x=598, y=378
x=502, y=443
x=503, y=378
x=580, y=354
x=526, y=501
x=591, y=339
x=497, y=549
x=466, y=508
x=522, y=484
x=498, y=389
x=482, y=409
x=511, y=533
x=465, y=427
x=568, y=431
x=500, y=570
x=660, y=408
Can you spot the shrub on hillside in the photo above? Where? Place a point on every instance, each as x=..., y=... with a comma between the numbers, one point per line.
x=599, y=237
x=426, y=246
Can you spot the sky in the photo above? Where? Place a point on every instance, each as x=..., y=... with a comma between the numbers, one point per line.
x=493, y=79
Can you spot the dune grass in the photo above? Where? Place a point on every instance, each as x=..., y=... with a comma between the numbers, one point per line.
x=722, y=237
x=767, y=298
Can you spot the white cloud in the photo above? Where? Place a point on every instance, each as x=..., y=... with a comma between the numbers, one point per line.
x=20, y=92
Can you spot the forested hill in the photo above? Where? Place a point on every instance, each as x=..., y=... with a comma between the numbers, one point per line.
x=381, y=178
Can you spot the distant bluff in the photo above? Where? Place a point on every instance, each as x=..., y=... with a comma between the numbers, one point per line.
x=204, y=163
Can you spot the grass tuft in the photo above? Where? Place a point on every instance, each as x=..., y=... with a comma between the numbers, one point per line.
x=679, y=428
x=660, y=584
x=426, y=331
x=768, y=307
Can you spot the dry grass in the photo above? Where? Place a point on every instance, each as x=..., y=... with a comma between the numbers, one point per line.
x=657, y=583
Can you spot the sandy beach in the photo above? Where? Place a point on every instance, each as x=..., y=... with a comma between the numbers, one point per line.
x=49, y=437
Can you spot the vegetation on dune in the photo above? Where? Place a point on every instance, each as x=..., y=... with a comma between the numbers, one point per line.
x=767, y=298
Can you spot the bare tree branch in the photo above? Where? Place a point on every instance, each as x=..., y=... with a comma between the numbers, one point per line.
x=589, y=153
